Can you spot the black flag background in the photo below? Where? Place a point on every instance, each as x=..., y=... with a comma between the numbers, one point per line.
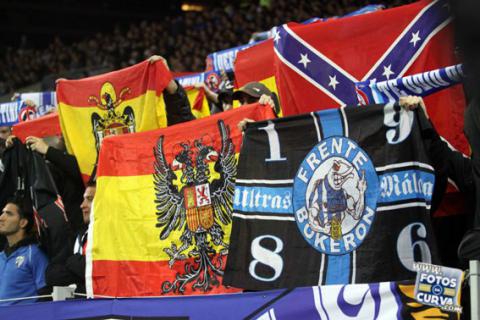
x=338, y=196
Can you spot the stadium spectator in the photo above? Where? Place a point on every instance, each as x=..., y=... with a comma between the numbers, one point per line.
x=256, y=92
x=73, y=270
x=176, y=101
x=5, y=132
x=65, y=173
x=448, y=164
x=22, y=263
x=467, y=36
x=222, y=100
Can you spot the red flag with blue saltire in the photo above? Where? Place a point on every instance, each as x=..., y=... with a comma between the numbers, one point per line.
x=317, y=65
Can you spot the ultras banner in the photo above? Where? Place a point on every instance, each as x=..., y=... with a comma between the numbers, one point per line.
x=332, y=197
x=162, y=224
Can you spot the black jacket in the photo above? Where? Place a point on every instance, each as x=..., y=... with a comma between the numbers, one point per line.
x=27, y=174
x=448, y=163
x=177, y=106
x=70, y=272
x=67, y=177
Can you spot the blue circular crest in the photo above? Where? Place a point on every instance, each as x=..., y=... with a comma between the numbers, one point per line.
x=335, y=195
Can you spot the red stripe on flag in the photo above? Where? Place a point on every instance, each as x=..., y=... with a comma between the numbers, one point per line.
x=198, y=103
x=132, y=154
x=45, y=126
x=143, y=278
x=155, y=77
x=254, y=63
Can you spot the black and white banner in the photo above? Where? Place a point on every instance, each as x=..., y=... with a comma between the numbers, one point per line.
x=332, y=197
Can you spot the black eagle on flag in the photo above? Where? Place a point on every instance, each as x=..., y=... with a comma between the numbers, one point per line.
x=200, y=207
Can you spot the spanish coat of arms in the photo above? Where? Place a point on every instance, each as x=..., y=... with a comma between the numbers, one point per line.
x=111, y=123
x=199, y=208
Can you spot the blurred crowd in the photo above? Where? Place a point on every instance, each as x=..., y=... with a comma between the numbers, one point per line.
x=185, y=40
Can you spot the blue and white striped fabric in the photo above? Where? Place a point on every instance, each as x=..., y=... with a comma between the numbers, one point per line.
x=27, y=106
x=420, y=84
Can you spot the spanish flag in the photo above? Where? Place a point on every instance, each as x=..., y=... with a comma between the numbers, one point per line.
x=123, y=101
x=42, y=127
x=162, y=212
x=256, y=64
x=198, y=102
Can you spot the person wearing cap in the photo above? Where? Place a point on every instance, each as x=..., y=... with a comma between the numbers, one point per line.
x=22, y=263
x=254, y=92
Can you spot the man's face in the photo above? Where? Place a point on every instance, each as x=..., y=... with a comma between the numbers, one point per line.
x=10, y=221
x=86, y=205
x=55, y=142
x=4, y=132
x=247, y=99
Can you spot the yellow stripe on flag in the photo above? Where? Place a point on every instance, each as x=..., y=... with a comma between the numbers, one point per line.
x=77, y=126
x=193, y=96
x=198, y=103
x=125, y=229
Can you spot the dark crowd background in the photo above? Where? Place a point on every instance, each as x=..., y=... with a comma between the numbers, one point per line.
x=42, y=44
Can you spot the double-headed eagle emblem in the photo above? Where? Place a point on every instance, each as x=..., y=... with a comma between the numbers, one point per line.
x=111, y=123
x=199, y=208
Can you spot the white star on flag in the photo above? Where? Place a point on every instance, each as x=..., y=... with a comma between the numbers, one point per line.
x=276, y=36
x=387, y=71
x=415, y=38
x=304, y=60
x=333, y=82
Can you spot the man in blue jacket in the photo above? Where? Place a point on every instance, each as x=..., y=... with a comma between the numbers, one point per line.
x=22, y=263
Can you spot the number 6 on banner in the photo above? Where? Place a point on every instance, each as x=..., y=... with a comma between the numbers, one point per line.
x=406, y=246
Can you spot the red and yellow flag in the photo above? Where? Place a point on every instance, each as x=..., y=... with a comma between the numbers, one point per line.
x=198, y=102
x=42, y=127
x=256, y=64
x=123, y=101
x=163, y=206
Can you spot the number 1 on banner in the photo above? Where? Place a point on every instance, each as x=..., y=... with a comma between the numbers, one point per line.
x=274, y=142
